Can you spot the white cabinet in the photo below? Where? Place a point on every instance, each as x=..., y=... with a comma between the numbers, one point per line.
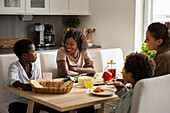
x=59, y=7
x=12, y=6
x=45, y=7
x=69, y=7
x=37, y=6
x=24, y=6
x=79, y=7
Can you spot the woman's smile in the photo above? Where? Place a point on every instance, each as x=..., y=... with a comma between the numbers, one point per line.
x=69, y=50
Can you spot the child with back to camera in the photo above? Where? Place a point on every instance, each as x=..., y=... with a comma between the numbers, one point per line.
x=19, y=75
x=137, y=66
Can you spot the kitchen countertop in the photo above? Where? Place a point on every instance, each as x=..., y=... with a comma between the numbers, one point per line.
x=10, y=51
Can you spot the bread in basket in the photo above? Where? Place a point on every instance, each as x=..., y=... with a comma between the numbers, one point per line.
x=53, y=86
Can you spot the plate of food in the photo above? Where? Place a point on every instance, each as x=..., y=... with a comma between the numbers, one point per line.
x=100, y=91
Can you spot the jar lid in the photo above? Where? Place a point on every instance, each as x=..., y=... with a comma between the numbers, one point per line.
x=111, y=62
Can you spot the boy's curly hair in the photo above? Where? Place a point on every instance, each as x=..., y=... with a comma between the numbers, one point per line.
x=78, y=36
x=140, y=65
x=22, y=46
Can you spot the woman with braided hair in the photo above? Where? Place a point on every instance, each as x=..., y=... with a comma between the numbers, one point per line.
x=157, y=38
x=74, y=59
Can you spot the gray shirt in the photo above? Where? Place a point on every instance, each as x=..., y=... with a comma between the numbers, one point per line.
x=17, y=73
x=125, y=100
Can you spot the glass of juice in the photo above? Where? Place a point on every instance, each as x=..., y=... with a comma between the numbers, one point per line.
x=88, y=83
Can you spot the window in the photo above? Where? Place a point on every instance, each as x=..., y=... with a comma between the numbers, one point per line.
x=157, y=10
x=161, y=10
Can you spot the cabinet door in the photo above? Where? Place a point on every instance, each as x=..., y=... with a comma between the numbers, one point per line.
x=59, y=7
x=37, y=6
x=12, y=6
x=79, y=7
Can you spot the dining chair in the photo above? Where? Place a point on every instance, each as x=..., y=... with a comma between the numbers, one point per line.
x=115, y=54
x=48, y=62
x=151, y=95
x=5, y=61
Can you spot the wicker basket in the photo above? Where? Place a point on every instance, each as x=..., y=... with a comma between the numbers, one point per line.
x=53, y=87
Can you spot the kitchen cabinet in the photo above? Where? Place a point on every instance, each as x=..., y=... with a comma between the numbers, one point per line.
x=79, y=7
x=24, y=7
x=69, y=7
x=12, y=6
x=59, y=7
x=37, y=6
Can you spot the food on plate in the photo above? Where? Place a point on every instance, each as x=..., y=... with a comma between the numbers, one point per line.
x=107, y=76
x=99, y=89
x=81, y=80
x=117, y=83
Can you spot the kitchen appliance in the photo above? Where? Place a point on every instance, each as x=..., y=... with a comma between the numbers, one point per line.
x=39, y=29
x=44, y=36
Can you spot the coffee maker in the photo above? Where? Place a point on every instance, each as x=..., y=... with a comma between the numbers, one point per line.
x=44, y=36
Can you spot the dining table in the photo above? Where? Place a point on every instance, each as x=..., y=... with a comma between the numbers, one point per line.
x=78, y=97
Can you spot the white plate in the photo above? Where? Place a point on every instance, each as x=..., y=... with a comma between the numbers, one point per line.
x=107, y=92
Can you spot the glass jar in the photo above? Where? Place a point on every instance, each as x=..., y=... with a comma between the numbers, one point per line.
x=111, y=67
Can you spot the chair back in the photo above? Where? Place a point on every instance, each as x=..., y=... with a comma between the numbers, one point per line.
x=152, y=95
x=5, y=61
x=115, y=54
x=48, y=62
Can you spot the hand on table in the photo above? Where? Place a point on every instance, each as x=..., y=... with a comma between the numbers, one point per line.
x=89, y=63
x=26, y=87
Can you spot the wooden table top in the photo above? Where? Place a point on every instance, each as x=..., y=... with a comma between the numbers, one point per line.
x=76, y=98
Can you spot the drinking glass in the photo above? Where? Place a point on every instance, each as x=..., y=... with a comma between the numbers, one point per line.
x=88, y=82
x=47, y=76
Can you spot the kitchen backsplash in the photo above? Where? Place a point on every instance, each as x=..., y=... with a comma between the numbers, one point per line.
x=13, y=27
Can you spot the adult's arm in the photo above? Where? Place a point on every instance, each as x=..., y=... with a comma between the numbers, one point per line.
x=64, y=69
x=83, y=70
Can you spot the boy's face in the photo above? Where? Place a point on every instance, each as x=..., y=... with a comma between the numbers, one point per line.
x=126, y=76
x=32, y=55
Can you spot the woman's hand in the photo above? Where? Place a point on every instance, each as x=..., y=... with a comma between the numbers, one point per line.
x=89, y=63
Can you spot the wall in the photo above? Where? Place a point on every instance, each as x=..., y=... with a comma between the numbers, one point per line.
x=114, y=21
x=13, y=27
